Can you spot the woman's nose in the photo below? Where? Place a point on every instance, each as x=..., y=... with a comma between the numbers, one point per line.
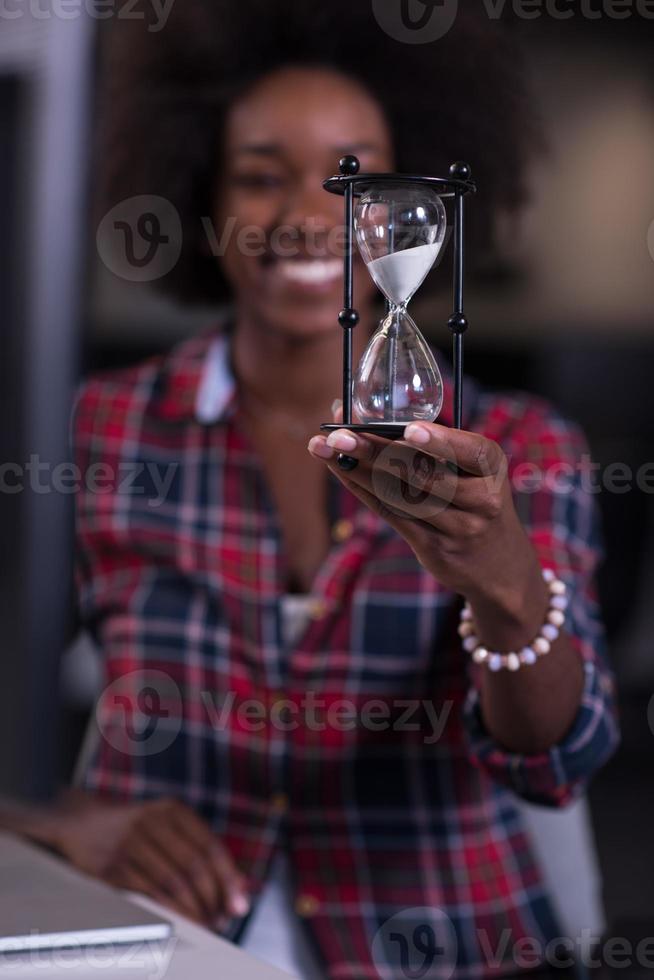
x=309, y=209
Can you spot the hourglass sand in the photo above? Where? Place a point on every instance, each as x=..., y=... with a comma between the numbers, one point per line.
x=399, y=223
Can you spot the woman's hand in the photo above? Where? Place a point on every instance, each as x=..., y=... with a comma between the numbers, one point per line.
x=447, y=492
x=160, y=848
x=462, y=525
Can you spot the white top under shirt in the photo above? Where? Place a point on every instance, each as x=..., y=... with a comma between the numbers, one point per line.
x=274, y=933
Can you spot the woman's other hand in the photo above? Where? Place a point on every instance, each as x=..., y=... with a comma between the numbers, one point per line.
x=160, y=848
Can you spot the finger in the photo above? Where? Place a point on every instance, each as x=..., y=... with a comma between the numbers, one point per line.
x=424, y=473
x=233, y=883
x=161, y=872
x=414, y=467
x=402, y=523
x=411, y=523
x=413, y=482
x=420, y=472
x=472, y=452
x=358, y=446
x=129, y=878
x=391, y=499
x=190, y=861
x=389, y=479
x=319, y=449
x=235, y=886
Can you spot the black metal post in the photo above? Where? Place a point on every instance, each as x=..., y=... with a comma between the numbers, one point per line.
x=349, y=316
x=458, y=322
x=347, y=306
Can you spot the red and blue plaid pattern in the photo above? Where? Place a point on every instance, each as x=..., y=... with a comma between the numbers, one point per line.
x=378, y=817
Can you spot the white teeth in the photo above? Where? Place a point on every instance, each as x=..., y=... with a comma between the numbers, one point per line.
x=312, y=271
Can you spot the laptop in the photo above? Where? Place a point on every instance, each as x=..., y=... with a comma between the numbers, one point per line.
x=46, y=904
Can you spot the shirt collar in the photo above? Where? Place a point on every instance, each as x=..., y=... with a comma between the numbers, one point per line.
x=196, y=382
x=216, y=386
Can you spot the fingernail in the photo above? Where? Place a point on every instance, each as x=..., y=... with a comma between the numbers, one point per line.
x=239, y=905
x=416, y=433
x=336, y=404
x=341, y=440
x=319, y=447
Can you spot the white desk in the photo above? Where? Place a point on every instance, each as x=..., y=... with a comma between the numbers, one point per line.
x=192, y=953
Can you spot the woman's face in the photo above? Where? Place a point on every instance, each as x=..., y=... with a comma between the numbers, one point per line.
x=282, y=233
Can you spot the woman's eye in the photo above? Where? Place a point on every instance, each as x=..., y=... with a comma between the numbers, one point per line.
x=258, y=181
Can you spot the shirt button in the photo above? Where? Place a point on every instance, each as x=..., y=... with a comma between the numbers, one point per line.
x=318, y=609
x=342, y=530
x=279, y=802
x=282, y=709
x=307, y=905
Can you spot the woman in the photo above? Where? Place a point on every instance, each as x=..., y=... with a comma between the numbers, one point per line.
x=335, y=756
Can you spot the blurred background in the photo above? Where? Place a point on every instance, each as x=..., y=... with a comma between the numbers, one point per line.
x=564, y=306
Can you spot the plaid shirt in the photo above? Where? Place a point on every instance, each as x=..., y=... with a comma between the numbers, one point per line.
x=361, y=748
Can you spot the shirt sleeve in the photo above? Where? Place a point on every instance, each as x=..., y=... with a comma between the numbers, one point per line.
x=555, y=491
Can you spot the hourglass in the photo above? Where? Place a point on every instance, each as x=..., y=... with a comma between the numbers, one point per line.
x=400, y=230
x=399, y=223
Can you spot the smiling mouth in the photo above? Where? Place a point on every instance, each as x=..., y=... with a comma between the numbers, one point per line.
x=309, y=272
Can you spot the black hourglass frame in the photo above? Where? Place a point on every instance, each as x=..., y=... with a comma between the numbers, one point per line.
x=350, y=184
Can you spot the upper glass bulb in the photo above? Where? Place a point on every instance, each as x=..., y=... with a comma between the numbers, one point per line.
x=400, y=230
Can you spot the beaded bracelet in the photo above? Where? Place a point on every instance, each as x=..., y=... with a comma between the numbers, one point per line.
x=554, y=619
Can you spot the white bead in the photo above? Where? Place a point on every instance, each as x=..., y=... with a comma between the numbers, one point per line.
x=466, y=613
x=528, y=656
x=470, y=643
x=541, y=645
x=559, y=602
x=557, y=587
x=556, y=617
x=549, y=632
x=480, y=654
x=465, y=629
x=513, y=661
x=548, y=574
x=495, y=662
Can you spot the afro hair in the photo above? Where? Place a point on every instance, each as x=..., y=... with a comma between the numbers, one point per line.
x=164, y=96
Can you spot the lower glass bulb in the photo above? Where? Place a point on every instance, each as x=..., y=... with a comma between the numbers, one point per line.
x=398, y=379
